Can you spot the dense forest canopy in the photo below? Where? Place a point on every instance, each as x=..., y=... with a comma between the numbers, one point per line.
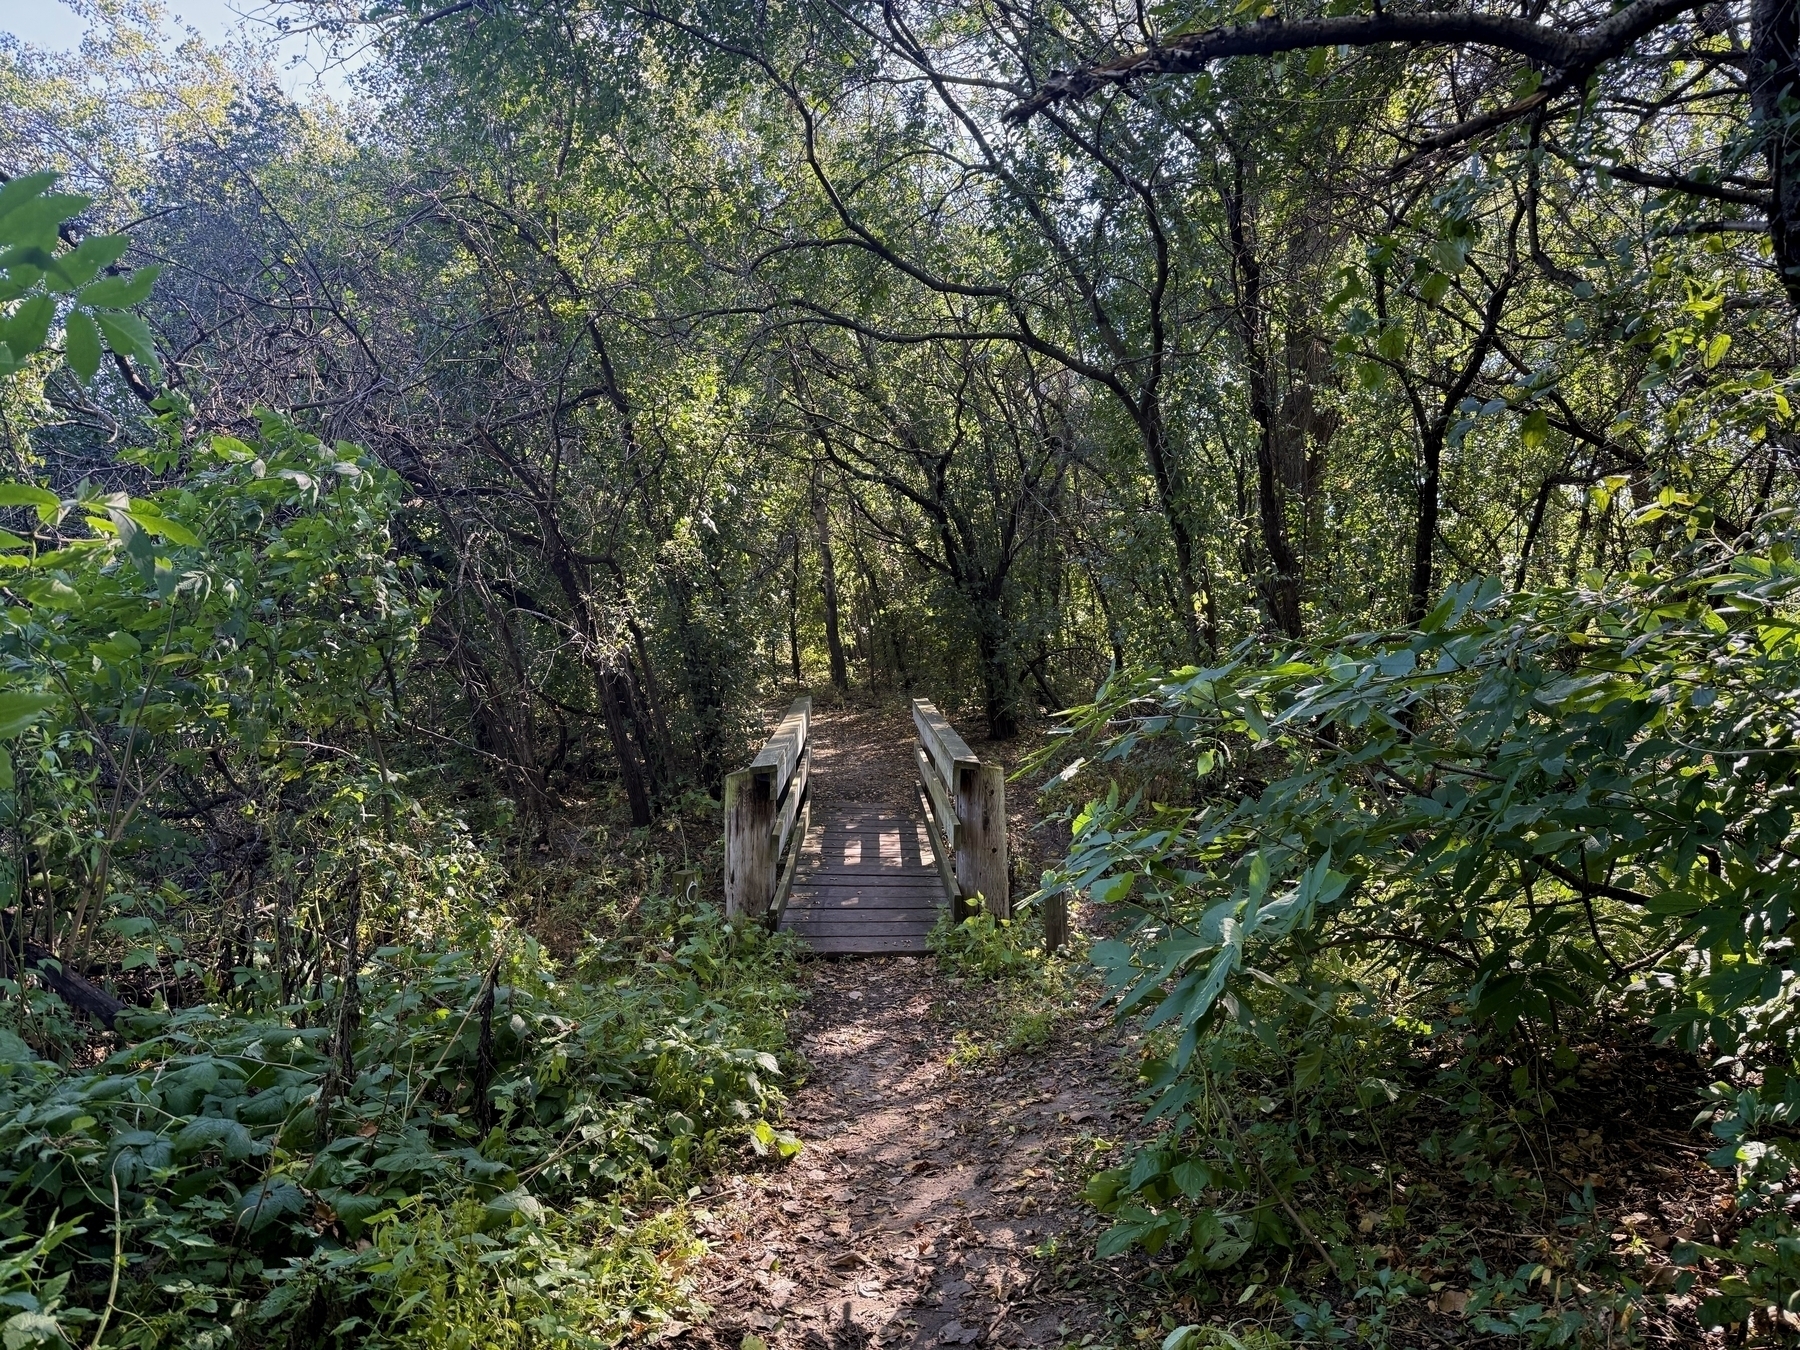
x=1369, y=426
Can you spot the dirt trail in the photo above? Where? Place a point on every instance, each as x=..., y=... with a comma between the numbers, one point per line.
x=935, y=1203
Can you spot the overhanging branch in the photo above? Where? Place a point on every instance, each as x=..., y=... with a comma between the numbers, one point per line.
x=1571, y=51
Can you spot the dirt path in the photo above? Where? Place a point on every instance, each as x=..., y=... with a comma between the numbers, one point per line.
x=936, y=1199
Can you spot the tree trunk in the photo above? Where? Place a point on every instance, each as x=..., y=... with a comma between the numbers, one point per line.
x=1425, y=527
x=340, y=1068
x=828, y=586
x=1156, y=451
x=794, y=615
x=19, y=953
x=614, y=707
x=999, y=679
x=1775, y=75
x=482, y=1106
x=608, y=684
x=1282, y=593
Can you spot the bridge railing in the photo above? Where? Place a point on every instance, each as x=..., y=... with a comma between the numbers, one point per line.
x=768, y=810
x=965, y=806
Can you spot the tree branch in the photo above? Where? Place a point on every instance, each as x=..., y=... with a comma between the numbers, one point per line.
x=1562, y=49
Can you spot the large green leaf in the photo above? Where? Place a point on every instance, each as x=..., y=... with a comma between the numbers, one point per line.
x=20, y=708
x=83, y=344
x=24, y=494
x=128, y=335
x=121, y=292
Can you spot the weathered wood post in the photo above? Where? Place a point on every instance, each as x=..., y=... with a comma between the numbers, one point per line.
x=981, y=835
x=767, y=806
x=749, y=842
x=1056, y=922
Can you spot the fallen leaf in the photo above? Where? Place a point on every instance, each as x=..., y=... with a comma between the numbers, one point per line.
x=955, y=1333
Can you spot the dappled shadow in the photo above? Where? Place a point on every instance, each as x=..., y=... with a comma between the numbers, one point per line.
x=927, y=1204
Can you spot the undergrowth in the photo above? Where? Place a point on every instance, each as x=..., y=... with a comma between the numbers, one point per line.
x=1027, y=991
x=503, y=1164
x=1445, y=940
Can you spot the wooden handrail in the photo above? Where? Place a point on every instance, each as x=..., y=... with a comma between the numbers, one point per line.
x=768, y=807
x=966, y=810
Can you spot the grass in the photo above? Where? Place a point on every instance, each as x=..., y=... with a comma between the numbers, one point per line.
x=1025, y=991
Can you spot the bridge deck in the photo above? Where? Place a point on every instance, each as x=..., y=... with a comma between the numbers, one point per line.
x=867, y=881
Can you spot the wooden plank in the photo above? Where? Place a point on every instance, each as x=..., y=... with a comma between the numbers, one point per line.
x=752, y=798
x=890, y=875
x=947, y=749
x=942, y=814
x=806, y=892
x=1056, y=922
x=803, y=915
x=793, y=865
x=749, y=862
x=852, y=919
x=866, y=946
x=981, y=842
x=904, y=884
x=864, y=932
x=946, y=878
x=781, y=752
x=790, y=808
x=885, y=878
x=848, y=897
x=889, y=898
x=885, y=867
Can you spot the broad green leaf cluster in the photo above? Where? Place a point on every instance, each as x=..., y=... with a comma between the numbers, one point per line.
x=1529, y=807
x=80, y=287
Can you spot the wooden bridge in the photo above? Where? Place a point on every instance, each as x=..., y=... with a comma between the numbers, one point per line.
x=853, y=878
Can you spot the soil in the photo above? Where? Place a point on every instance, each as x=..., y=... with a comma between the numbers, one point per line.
x=933, y=1203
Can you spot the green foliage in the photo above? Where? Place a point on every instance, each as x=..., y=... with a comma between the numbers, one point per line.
x=985, y=947
x=1023, y=991
x=1529, y=805
x=477, y=1149
x=210, y=641
x=25, y=1284
x=434, y=1142
x=42, y=282
x=1614, y=756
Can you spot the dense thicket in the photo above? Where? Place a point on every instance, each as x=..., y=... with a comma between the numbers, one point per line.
x=1389, y=411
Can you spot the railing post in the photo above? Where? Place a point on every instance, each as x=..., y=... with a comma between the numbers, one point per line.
x=749, y=842
x=1056, y=923
x=981, y=835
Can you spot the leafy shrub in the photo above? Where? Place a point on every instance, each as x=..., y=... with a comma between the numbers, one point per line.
x=985, y=947
x=475, y=1152
x=1029, y=990
x=1529, y=805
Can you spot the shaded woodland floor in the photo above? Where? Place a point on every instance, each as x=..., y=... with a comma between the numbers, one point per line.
x=936, y=1201
x=932, y=1205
